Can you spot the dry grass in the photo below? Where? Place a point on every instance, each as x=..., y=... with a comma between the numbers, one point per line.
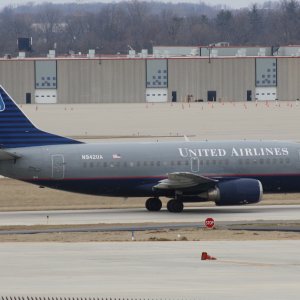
x=159, y=236
x=17, y=195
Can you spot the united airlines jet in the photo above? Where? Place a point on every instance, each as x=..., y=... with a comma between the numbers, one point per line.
x=226, y=172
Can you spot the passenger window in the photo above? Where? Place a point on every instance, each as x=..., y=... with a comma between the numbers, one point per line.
x=158, y=163
x=91, y=164
x=151, y=163
x=105, y=164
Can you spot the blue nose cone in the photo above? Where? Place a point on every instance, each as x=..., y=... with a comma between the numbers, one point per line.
x=2, y=104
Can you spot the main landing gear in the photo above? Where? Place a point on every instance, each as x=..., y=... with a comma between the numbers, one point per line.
x=174, y=205
x=153, y=204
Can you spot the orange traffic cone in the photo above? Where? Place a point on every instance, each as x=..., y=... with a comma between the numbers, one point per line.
x=205, y=256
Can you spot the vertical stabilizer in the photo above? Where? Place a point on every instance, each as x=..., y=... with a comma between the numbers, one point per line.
x=16, y=130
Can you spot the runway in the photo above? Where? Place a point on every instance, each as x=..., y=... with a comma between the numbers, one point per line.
x=152, y=270
x=131, y=216
x=155, y=270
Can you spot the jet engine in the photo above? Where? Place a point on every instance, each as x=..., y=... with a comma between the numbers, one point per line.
x=236, y=192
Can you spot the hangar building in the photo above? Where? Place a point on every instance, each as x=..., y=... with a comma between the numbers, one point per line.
x=213, y=73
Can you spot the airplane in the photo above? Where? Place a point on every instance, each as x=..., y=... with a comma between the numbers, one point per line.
x=226, y=172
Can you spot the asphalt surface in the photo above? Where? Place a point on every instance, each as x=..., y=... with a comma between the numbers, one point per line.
x=161, y=270
x=201, y=121
x=133, y=216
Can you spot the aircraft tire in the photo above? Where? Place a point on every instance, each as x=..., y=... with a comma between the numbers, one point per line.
x=153, y=204
x=175, y=206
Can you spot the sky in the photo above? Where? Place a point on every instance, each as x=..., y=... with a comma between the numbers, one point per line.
x=230, y=4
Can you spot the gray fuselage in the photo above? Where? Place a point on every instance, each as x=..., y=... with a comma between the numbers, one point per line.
x=132, y=169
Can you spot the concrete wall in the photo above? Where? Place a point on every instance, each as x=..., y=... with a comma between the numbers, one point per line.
x=231, y=78
x=100, y=81
x=124, y=80
x=288, y=78
x=17, y=77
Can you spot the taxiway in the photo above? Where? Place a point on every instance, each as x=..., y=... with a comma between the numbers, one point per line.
x=131, y=216
x=172, y=270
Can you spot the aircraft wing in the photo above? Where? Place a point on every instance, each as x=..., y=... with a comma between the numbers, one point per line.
x=183, y=180
x=5, y=155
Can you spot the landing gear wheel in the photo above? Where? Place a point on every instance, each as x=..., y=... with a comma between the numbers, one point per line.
x=175, y=206
x=153, y=204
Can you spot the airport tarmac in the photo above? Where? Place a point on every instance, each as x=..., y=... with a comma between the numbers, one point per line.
x=168, y=270
x=219, y=121
x=140, y=215
x=171, y=270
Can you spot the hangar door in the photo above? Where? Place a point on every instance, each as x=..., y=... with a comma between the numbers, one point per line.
x=156, y=95
x=45, y=82
x=265, y=79
x=211, y=95
x=157, y=80
x=265, y=93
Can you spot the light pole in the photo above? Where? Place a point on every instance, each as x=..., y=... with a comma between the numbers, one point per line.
x=209, y=48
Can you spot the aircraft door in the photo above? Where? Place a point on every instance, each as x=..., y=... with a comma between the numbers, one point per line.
x=195, y=164
x=58, y=166
x=298, y=158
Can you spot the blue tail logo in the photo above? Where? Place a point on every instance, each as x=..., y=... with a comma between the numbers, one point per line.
x=16, y=130
x=2, y=104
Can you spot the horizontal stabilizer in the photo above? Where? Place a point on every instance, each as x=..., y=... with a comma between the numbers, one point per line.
x=5, y=155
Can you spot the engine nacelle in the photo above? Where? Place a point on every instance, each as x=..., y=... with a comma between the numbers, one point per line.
x=236, y=192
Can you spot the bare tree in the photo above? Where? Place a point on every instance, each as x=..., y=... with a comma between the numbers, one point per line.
x=290, y=21
x=48, y=27
x=111, y=28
